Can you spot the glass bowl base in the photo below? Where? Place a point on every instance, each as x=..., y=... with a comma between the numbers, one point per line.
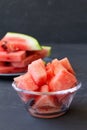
x=47, y=115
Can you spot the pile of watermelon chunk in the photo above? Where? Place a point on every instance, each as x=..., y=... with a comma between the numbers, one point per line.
x=18, y=50
x=53, y=76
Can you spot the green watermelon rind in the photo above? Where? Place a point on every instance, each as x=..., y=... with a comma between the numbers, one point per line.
x=48, y=48
x=33, y=42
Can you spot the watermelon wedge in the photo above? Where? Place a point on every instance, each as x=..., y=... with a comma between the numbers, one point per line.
x=33, y=55
x=10, y=69
x=12, y=56
x=16, y=41
x=19, y=50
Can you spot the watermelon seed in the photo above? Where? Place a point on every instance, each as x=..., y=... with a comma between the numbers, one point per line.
x=4, y=45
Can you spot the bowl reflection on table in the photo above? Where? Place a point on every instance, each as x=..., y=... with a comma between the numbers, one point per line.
x=47, y=104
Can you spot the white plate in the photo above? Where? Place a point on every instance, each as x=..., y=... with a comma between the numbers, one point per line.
x=17, y=74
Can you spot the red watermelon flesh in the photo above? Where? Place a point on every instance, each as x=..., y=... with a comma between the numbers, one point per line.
x=13, y=56
x=49, y=77
x=31, y=56
x=26, y=78
x=2, y=63
x=1, y=48
x=65, y=62
x=49, y=71
x=44, y=88
x=63, y=80
x=26, y=82
x=38, y=72
x=11, y=43
x=10, y=69
x=45, y=103
x=15, y=42
x=19, y=50
x=57, y=66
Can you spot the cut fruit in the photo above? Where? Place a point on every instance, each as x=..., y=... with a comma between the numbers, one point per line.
x=33, y=55
x=38, y=72
x=52, y=74
x=1, y=48
x=43, y=81
x=26, y=82
x=57, y=66
x=12, y=56
x=16, y=41
x=11, y=69
x=44, y=88
x=50, y=71
x=45, y=103
x=63, y=80
x=18, y=50
x=65, y=62
x=2, y=63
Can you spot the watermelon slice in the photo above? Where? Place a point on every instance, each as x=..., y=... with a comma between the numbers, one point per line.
x=10, y=69
x=63, y=80
x=12, y=56
x=33, y=55
x=38, y=72
x=16, y=41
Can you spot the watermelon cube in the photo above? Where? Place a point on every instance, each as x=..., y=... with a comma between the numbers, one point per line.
x=26, y=82
x=44, y=88
x=50, y=71
x=57, y=66
x=63, y=80
x=45, y=103
x=65, y=62
x=38, y=72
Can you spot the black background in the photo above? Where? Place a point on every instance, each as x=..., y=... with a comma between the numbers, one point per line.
x=61, y=21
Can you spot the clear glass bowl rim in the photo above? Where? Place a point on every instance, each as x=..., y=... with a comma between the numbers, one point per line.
x=71, y=90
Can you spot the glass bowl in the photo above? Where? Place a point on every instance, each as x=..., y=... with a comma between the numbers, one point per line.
x=47, y=104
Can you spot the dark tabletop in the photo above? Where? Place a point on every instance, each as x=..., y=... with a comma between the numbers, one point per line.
x=13, y=115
